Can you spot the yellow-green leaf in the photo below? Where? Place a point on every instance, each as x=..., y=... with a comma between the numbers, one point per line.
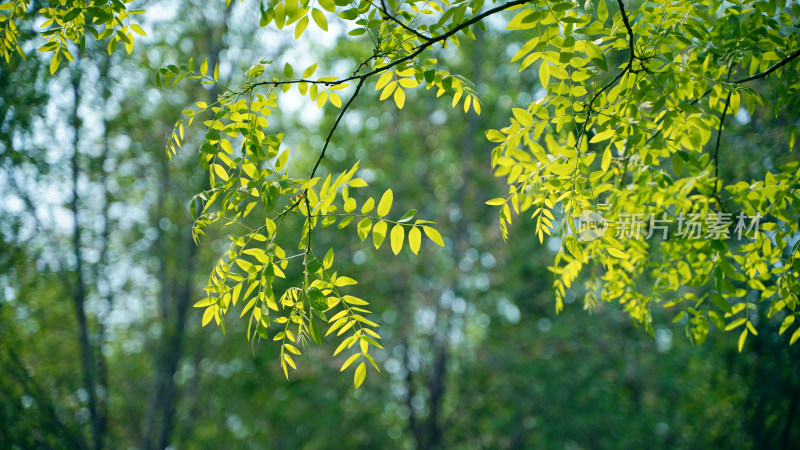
x=349, y=361
x=209, y=314
x=361, y=373
x=310, y=71
x=397, y=237
x=544, y=74
x=600, y=137
x=138, y=30
x=617, y=253
x=367, y=206
x=742, y=338
x=385, y=205
x=379, y=233
x=414, y=239
x=399, y=98
x=319, y=19
x=795, y=336
x=434, y=236
x=300, y=27
x=602, y=10
x=606, y=159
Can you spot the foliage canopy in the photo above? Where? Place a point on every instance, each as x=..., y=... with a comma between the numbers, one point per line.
x=628, y=124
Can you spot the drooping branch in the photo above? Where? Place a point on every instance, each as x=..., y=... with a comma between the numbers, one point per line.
x=419, y=49
x=763, y=74
x=716, y=148
x=363, y=78
x=777, y=66
x=335, y=125
x=628, y=67
x=629, y=30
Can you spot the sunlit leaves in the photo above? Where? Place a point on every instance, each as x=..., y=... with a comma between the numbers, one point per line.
x=72, y=24
x=622, y=126
x=635, y=139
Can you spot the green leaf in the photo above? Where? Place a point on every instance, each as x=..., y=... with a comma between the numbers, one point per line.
x=55, y=60
x=602, y=10
x=345, y=281
x=721, y=303
x=735, y=324
x=317, y=298
x=315, y=335
x=787, y=322
x=208, y=315
x=361, y=373
x=354, y=300
x=212, y=300
x=677, y=164
x=397, y=236
x=408, y=215
x=138, y=30
x=385, y=204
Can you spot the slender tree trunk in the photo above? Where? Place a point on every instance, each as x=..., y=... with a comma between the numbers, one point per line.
x=79, y=291
x=102, y=269
x=163, y=399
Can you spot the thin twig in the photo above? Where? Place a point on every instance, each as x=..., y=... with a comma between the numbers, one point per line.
x=404, y=26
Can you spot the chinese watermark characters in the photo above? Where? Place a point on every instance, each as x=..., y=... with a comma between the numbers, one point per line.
x=716, y=226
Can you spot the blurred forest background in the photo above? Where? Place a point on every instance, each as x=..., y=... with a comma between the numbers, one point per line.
x=100, y=348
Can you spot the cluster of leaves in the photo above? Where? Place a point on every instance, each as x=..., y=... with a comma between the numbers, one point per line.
x=255, y=176
x=651, y=119
x=253, y=183
x=643, y=137
x=67, y=22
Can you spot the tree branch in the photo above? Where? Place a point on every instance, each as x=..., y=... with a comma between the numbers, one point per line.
x=777, y=66
x=336, y=124
x=716, y=149
x=763, y=74
x=629, y=30
x=419, y=49
x=404, y=26
x=628, y=67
